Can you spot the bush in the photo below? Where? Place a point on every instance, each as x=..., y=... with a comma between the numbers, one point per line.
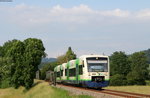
x=148, y=83
x=136, y=78
x=117, y=80
x=5, y=84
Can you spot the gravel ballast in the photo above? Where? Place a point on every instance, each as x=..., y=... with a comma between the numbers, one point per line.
x=77, y=91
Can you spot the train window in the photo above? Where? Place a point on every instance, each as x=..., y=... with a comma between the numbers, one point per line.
x=83, y=63
x=65, y=72
x=80, y=69
x=72, y=72
x=61, y=72
x=58, y=74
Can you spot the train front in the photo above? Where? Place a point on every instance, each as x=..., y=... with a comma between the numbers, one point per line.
x=97, y=71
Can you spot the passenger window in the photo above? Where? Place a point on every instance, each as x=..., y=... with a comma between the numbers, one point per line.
x=80, y=69
x=72, y=72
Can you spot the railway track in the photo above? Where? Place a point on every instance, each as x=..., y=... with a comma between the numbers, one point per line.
x=110, y=92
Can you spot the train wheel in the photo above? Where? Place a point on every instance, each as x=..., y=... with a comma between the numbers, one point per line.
x=84, y=85
x=99, y=88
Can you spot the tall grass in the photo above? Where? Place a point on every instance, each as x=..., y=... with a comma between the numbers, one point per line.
x=39, y=90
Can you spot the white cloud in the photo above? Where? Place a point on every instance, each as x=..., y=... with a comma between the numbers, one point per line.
x=116, y=12
x=145, y=13
x=28, y=16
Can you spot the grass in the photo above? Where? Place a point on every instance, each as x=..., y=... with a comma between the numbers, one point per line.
x=134, y=89
x=41, y=89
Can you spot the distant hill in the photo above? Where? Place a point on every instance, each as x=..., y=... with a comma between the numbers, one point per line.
x=147, y=52
x=45, y=61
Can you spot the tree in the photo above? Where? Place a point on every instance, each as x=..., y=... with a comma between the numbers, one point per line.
x=5, y=75
x=12, y=52
x=1, y=51
x=61, y=59
x=138, y=59
x=119, y=63
x=149, y=72
x=147, y=54
x=34, y=51
x=69, y=55
x=139, y=69
x=19, y=61
x=16, y=53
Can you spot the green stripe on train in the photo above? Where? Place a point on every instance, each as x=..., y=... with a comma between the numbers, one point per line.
x=83, y=79
x=77, y=66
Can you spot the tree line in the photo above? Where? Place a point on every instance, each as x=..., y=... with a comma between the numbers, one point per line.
x=129, y=69
x=124, y=69
x=19, y=61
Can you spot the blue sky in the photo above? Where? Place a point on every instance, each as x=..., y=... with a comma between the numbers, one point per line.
x=95, y=4
x=88, y=26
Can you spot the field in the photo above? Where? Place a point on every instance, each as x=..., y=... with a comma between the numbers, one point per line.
x=40, y=90
x=134, y=89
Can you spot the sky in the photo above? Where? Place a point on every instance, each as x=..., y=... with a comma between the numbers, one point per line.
x=88, y=26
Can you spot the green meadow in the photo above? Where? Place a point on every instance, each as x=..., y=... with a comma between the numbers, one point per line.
x=134, y=89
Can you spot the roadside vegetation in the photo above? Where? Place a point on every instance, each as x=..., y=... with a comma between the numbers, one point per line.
x=40, y=89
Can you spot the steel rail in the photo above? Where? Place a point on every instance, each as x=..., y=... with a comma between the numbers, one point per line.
x=112, y=92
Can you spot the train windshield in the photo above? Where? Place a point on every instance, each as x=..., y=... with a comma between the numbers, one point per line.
x=97, y=64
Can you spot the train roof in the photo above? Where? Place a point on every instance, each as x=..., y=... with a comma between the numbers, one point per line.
x=81, y=57
x=84, y=56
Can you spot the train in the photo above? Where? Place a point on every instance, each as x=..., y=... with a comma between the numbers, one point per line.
x=87, y=71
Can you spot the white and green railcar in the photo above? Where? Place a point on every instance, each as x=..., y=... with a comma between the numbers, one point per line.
x=87, y=70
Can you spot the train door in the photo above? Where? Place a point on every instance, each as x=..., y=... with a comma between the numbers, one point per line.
x=68, y=71
x=77, y=73
x=60, y=73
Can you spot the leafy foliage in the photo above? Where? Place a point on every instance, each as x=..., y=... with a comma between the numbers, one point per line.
x=24, y=58
x=5, y=73
x=147, y=54
x=135, y=78
x=47, y=67
x=61, y=59
x=70, y=55
x=1, y=51
x=119, y=63
x=118, y=80
x=129, y=70
x=139, y=66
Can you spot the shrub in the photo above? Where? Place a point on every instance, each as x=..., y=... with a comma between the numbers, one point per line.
x=118, y=80
x=136, y=78
x=148, y=83
x=5, y=84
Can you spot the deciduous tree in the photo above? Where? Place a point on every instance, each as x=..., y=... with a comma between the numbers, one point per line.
x=119, y=63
